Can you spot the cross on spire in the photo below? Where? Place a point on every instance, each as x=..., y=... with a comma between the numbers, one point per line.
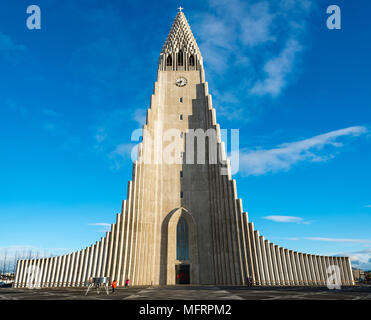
x=180, y=8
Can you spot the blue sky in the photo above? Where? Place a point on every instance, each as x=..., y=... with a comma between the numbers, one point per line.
x=72, y=93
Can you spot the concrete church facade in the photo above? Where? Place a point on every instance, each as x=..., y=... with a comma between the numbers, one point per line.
x=182, y=222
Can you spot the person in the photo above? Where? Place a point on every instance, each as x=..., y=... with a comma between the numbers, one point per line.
x=114, y=285
x=126, y=283
x=249, y=282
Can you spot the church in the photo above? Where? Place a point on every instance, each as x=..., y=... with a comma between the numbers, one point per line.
x=182, y=221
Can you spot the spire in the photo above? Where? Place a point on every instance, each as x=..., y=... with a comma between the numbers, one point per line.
x=181, y=39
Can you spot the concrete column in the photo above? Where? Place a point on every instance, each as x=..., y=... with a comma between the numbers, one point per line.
x=315, y=269
x=265, y=263
x=342, y=271
x=63, y=271
x=281, y=277
x=95, y=259
x=42, y=271
x=246, y=241
x=275, y=264
x=138, y=271
x=85, y=275
x=71, y=269
x=27, y=265
x=342, y=276
x=52, y=271
x=16, y=279
x=323, y=270
x=81, y=268
x=332, y=261
x=23, y=274
x=132, y=230
x=284, y=267
x=75, y=270
x=59, y=271
x=105, y=256
x=289, y=267
x=327, y=263
x=66, y=270
x=115, y=247
x=48, y=272
x=269, y=262
x=91, y=260
x=320, y=269
x=111, y=250
x=100, y=261
x=215, y=230
x=344, y=268
x=260, y=258
x=307, y=269
x=350, y=272
x=254, y=255
x=239, y=276
x=298, y=269
x=302, y=268
x=294, y=268
x=120, y=253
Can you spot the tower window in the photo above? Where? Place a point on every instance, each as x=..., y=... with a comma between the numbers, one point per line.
x=180, y=58
x=181, y=195
x=181, y=174
x=192, y=61
x=181, y=99
x=182, y=240
x=180, y=117
x=169, y=60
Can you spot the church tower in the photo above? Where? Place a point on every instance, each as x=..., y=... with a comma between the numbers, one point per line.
x=182, y=221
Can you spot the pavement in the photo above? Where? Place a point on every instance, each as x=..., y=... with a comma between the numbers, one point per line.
x=186, y=292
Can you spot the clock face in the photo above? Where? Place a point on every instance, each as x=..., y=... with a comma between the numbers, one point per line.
x=181, y=82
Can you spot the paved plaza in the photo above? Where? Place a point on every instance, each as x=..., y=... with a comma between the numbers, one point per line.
x=191, y=293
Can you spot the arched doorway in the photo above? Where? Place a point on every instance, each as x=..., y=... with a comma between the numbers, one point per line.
x=181, y=248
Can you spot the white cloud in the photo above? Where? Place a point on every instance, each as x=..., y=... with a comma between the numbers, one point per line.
x=276, y=71
x=286, y=219
x=50, y=112
x=258, y=42
x=106, y=226
x=100, y=224
x=360, y=259
x=256, y=27
x=9, y=50
x=25, y=251
x=284, y=156
x=338, y=240
x=139, y=116
x=50, y=126
x=122, y=153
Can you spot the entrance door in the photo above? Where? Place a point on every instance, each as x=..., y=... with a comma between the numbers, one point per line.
x=182, y=274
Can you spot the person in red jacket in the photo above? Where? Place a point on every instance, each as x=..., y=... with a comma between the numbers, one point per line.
x=127, y=283
x=114, y=285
